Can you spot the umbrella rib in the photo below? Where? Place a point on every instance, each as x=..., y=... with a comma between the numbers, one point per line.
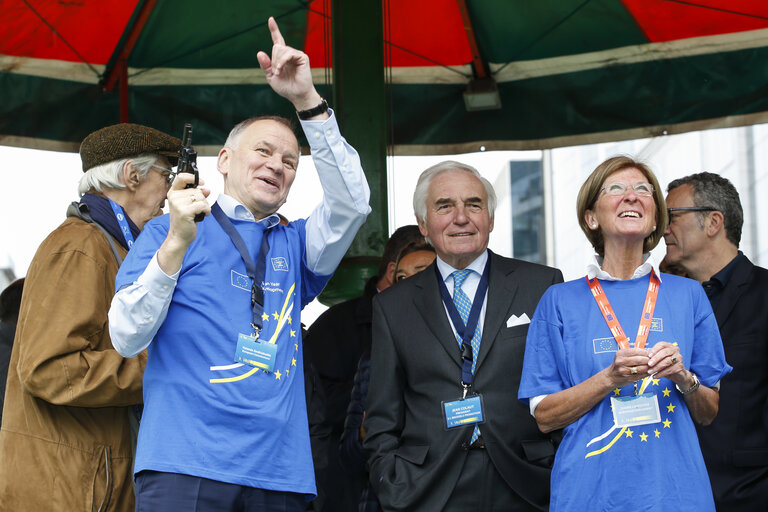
x=214, y=43
x=543, y=35
x=390, y=43
x=719, y=9
x=56, y=33
x=433, y=61
x=304, y=6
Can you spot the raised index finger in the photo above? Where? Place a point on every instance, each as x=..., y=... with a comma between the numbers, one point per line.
x=277, y=37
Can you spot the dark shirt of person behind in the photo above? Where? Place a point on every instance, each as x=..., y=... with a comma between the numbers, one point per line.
x=10, y=300
x=415, y=257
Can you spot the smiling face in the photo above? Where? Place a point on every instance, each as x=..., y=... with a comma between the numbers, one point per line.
x=260, y=169
x=458, y=222
x=627, y=217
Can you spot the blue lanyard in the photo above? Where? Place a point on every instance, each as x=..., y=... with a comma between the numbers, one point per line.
x=120, y=216
x=465, y=332
x=255, y=270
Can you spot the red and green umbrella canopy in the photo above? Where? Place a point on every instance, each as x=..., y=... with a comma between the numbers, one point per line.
x=566, y=71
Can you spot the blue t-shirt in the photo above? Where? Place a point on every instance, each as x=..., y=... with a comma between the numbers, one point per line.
x=204, y=414
x=600, y=467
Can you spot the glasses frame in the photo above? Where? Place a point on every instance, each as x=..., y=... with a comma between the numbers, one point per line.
x=684, y=209
x=603, y=189
x=169, y=174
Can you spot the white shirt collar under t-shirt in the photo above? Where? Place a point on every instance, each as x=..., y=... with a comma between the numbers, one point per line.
x=595, y=263
x=233, y=209
x=477, y=266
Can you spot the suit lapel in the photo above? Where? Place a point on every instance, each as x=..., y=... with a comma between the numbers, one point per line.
x=429, y=304
x=736, y=285
x=502, y=289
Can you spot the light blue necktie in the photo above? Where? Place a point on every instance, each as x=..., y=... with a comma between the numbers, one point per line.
x=464, y=305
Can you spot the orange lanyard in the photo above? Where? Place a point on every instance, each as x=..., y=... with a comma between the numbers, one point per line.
x=610, y=317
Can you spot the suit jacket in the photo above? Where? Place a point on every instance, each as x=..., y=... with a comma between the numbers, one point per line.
x=735, y=445
x=414, y=461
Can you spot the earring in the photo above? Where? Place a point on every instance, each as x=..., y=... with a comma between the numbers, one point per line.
x=594, y=225
x=653, y=228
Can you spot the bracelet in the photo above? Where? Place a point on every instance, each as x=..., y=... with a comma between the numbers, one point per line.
x=693, y=387
x=314, y=111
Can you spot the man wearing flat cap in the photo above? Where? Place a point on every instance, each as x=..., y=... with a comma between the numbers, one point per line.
x=72, y=401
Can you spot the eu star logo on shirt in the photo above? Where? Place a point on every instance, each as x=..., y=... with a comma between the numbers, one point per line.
x=280, y=263
x=515, y=320
x=239, y=280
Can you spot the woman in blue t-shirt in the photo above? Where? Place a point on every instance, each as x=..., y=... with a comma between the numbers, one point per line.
x=624, y=359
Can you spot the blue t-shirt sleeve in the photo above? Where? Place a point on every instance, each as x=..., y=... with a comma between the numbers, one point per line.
x=708, y=356
x=311, y=284
x=145, y=246
x=544, y=368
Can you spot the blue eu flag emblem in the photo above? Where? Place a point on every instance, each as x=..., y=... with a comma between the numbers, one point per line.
x=241, y=281
x=280, y=264
x=602, y=345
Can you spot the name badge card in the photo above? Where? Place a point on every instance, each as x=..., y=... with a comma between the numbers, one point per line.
x=253, y=352
x=629, y=411
x=463, y=412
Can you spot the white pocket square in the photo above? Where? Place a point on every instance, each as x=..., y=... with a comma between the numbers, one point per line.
x=518, y=320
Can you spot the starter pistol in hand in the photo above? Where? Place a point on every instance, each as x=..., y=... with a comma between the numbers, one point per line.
x=188, y=161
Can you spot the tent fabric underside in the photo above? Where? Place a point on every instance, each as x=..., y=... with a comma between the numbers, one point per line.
x=568, y=71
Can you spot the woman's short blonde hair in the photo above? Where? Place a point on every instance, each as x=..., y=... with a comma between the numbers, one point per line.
x=590, y=191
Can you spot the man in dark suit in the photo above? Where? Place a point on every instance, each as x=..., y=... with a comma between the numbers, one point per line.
x=440, y=342
x=705, y=220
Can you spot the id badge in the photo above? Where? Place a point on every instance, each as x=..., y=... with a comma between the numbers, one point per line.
x=629, y=411
x=254, y=352
x=463, y=412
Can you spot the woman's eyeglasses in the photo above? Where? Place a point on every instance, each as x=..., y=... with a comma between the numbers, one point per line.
x=618, y=188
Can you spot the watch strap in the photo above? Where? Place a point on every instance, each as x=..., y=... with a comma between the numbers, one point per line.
x=694, y=386
x=321, y=108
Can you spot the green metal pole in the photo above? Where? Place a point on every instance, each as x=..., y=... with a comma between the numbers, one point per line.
x=359, y=100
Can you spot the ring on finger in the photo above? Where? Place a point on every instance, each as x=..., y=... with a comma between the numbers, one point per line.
x=192, y=199
x=633, y=370
x=674, y=360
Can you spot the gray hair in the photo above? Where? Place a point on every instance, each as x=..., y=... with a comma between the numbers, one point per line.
x=717, y=192
x=108, y=175
x=234, y=134
x=420, y=195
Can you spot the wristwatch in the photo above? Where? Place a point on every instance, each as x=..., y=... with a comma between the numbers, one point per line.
x=314, y=111
x=693, y=387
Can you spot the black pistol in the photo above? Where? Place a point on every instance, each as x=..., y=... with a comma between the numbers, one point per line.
x=188, y=161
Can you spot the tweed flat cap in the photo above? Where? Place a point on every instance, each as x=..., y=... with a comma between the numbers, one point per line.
x=126, y=140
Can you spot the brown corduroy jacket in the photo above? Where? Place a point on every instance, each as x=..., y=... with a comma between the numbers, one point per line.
x=65, y=443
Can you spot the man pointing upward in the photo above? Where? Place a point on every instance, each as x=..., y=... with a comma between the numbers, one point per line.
x=218, y=305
